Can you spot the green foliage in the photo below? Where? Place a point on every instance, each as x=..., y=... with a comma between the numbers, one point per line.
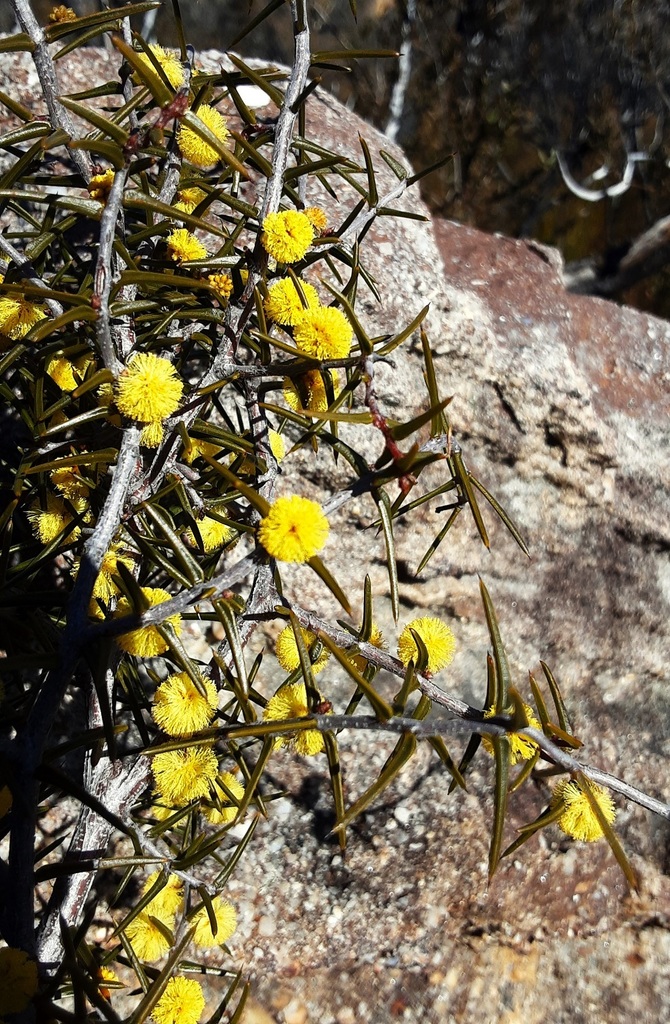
x=149, y=388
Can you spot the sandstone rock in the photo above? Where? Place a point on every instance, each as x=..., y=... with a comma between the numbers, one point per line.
x=561, y=407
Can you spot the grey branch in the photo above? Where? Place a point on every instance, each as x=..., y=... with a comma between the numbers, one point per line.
x=552, y=753
x=60, y=116
x=103, y=270
x=289, y=112
x=27, y=272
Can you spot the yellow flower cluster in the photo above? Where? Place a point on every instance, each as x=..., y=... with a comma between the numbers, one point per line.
x=225, y=917
x=286, y=236
x=317, y=217
x=287, y=650
x=184, y=775
x=168, y=61
x=18, y=316
x=180, y=709
x=146, y=642
x=520, y=748
x=100, y=185
x=324, y=333
x=290, y=701
x=294, y=530
x=147, y=939
x=438, y=639
x=189, y=198
x=61, y=14
x=283, y=303
x=578, y=819
x=68, y=374
x=183, y=246
x=222, y=285
x=193, y=147
x=149, y=390
x=48, y=523
x=104, y=587
x=70, y=484
x=182, y=1002
x=222, y=811
x=213, y=534
x=308, y=392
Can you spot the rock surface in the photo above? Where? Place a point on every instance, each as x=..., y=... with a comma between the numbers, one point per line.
x=561, y=406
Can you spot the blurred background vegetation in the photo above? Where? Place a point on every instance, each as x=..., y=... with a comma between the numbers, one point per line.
x=502, y=85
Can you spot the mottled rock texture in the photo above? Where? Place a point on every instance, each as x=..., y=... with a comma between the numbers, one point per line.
x=561, y=407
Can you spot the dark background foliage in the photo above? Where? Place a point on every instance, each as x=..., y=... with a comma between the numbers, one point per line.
x=501, y=85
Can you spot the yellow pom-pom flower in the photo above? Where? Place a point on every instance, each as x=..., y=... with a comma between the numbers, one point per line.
x=168, y=61
x=182, y=1002
x=69, y=483
x=179, y=707
x=324, y=333
x=146, y=642
x=287, y=235
x=317, y=217
x=167, y=901
x=308, y=392
x=104, y=586
x=100, y=185
x=18, y=316
x=18, y=980
x=294, y=530
x=149, y=390
x=189, y=198
x=184, y=775
x=147, y=939
x=47, y=523
x=227, y=811
x=438, y=638
x=283, y=303
x=226, y=923
x=195, y=149
x=287, y=650
x=212, y=533
x=578, y=819
x=183, y=246
x=62, y=372
x=66, y=374
x=520, y=748
x=290, y=701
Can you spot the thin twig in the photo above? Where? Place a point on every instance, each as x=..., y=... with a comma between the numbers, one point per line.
x=103, y=270
x=27, y=272
x=289, y=111
x=181, y=603
x=28, y=746
x=494, y=727
x=60, y=116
